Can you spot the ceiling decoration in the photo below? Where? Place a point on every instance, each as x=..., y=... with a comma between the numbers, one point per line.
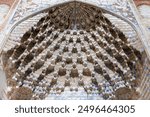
x=74, y=46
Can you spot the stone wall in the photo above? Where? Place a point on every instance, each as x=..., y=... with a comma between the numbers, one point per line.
x=143, y=7
x=144, y=11
x=8, y=2
x=144, y=18
x=141, y=2
x=145, y=82
x=12, y=4
x=3, y=85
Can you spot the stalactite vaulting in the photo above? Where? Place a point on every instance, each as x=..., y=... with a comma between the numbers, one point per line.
x=73, y=46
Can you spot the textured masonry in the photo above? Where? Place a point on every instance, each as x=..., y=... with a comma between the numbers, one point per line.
x=73, y=46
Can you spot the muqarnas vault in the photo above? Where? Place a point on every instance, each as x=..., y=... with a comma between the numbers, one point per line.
x=74, y=46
